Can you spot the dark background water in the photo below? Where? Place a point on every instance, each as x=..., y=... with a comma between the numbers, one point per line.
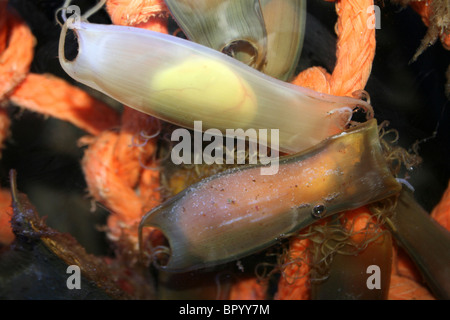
x=45, y=154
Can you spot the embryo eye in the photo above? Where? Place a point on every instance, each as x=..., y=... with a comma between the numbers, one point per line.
x=319, y=211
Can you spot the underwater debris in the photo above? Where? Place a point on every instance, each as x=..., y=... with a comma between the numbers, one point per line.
x=41, y=255
x=436, y=15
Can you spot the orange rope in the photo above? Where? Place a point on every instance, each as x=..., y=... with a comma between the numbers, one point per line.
x=52, y=96
x=247, y=289
x=116, y=177
x=404, y=288
x=16, y=58
x=294, y=283
x=406, y=281
x=355, y=52
x=5, y=123
x=6, y=234
x=146, y=14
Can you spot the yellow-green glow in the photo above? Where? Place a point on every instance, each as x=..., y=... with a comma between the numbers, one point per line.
x=206, y=83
